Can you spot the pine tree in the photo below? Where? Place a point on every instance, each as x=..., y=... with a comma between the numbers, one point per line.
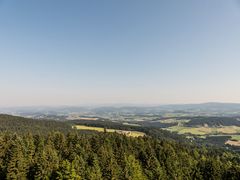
x=93, y=169
x=133, y=170
x=46, y=161
x=108, y=163
x=80, y=166
x=67, y=171
x=17, y=165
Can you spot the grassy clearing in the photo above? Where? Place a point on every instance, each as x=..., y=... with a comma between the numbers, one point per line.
x=82, y=127
x=100, y=129
x=187, y=130
x=169, y=121
x=77, y=117
x=233, y=143
x=205, y=130
x=235, y=140
x=131, y=124
x=236, y=137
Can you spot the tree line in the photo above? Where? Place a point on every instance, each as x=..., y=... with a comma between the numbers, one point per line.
x=109, y=156
x=94, y=156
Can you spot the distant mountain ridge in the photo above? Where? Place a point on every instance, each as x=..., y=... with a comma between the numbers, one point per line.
x=210, y=107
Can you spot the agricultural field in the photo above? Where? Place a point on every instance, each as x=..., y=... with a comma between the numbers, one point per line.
x=100, y=129
x=226, y=130
x=130, y=124
x=235, y=137
x=173, y=120
x=233, y=143
x=78, y=117
x=222, y=135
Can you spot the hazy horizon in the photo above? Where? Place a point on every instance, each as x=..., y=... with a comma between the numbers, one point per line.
x=116, y=105
x=57, y=53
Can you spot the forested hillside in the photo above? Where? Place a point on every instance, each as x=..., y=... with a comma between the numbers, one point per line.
x=61, y=155
x=213, y=121
x=22, y=125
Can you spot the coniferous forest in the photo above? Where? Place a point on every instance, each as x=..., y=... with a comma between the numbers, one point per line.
x=51, y=150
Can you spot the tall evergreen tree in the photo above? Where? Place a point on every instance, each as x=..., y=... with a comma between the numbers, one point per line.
x=93, y=169
x=133, y=170
x=17, y=165
x=67, y=171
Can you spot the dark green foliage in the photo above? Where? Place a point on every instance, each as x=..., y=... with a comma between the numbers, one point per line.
x=213, y=121
x=67, y=171
x=17, y=160
x=111, y=156
x=132, y=169
x=22, y=125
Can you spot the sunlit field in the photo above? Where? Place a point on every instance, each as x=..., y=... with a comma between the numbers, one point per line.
x=205, y=130
x=100, y=129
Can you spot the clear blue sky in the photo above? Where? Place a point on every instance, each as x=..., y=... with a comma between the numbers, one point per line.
x=61, y=52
